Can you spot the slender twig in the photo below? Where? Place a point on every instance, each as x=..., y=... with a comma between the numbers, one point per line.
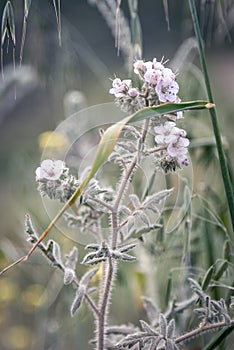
x=213, y=115
x=198, y=331
x=104, y=295
x=124, y=182
x=101, y=202
x=75, y=280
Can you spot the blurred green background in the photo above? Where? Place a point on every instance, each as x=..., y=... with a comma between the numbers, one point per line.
x=34, y=305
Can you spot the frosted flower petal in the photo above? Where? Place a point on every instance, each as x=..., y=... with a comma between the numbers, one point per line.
x=50, y=170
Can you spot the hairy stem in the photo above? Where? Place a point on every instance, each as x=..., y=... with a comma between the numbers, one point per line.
x=124, y=183
x=103, y=306
x=107, y=278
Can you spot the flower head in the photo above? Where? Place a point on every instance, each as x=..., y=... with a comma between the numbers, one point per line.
x=139, y=67
x=120, y=87
x=152, y=76
x=167, y=89
x=50, y=170
x=174, y=141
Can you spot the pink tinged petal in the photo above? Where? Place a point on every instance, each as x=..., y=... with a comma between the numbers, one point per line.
x=171, y=138
x=133, y=92
x=47, y=163
x=148, y=65
x=112, y=91
x=158, y=65
x=152, y=76
x=117, y=82
x=39, y=174
x=159, y=129
x=167, y=73
x=50, y=170
x=183, y=142
x=170, y=125
x=159, y=139
x=139, y=66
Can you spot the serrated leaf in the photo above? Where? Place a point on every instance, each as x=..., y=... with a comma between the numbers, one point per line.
x=153, y=208
x=170, y=345
x=71, y=259
x=146, y=328
x=125, y=210
x=162, y=325
x=131, y=222
x=135, y=201
x=143, y=230
x=157, y=198
x=144, y=217
x=151, y=310
x=125, y=257
x=80, y=293
x=56, y=251
x=127, y=247
x=155, y=342
x=29, y=229
x=88, y=276
x=171, y=329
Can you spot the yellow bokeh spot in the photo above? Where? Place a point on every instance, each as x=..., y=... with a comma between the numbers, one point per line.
x=17, y=338
x=53, y=140
x=33, y=297
x=9, y=290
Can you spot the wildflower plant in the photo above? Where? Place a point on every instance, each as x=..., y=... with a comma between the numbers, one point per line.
x=118, y=220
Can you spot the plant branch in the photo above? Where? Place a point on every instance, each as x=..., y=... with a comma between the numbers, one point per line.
x=103, y=308
x=198, y=331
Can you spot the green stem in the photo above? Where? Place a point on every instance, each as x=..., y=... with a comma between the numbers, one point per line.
x=213, y=115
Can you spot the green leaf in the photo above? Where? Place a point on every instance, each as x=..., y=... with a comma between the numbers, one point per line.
x=207, y=278
x=8, y=23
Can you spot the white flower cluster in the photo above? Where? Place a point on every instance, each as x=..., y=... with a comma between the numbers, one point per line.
x=158, y=86
x=54, y=180
x=173, y=140
x=127, y=97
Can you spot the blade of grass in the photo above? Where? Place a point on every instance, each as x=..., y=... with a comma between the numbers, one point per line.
x=213, y=115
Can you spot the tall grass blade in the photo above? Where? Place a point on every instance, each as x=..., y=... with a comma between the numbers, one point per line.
x=27, y=5
x=214, y=119
x=57, y=10
x=8, y=30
